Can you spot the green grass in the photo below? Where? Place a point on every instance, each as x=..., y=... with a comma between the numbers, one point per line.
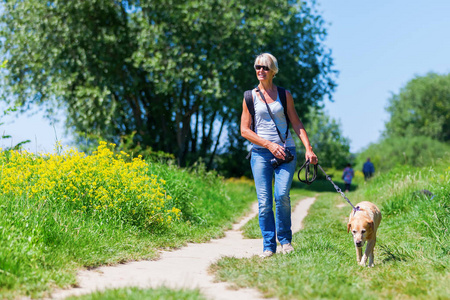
x=134, y=293
x=411, y=256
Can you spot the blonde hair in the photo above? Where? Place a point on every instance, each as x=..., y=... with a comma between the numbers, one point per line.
x=269, y=60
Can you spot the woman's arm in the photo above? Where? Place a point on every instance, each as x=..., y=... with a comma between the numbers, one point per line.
x=299, y=129
x=249, y=134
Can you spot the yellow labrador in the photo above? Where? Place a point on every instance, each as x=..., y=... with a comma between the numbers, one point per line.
x=364, y=224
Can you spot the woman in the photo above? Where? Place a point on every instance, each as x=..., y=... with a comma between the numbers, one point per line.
x=268, y=145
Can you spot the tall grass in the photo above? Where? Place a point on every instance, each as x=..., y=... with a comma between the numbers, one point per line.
x=412, y=255
x=66, y=211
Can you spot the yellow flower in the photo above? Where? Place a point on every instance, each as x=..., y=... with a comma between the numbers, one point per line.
x=101, y=183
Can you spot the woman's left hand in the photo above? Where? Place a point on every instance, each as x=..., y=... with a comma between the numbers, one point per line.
x=311, y=156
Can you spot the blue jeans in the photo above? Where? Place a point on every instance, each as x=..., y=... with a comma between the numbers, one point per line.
x=263, y=173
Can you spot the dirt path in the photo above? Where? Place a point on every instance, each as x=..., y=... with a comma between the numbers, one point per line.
x=186, y=267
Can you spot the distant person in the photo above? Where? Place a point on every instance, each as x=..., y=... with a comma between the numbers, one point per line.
x=347, y=175
x=368, y=169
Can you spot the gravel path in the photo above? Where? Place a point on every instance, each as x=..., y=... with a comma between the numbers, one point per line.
x=186, y=267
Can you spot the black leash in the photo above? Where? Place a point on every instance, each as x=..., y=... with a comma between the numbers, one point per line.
x=307, y=173
x=314, y=175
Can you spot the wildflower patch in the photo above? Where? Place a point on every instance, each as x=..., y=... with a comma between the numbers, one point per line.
x=101, y=185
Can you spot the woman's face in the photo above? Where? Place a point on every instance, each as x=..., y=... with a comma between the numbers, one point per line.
x=263, y=72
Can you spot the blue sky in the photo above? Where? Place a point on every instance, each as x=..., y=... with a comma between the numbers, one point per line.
x=377, y=46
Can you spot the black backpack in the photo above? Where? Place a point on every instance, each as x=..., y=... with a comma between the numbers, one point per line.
x=251, y=108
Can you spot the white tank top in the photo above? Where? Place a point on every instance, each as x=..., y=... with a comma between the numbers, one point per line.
x=265, y=127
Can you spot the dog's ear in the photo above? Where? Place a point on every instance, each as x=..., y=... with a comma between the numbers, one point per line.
x=372, y=225
x=348, y=227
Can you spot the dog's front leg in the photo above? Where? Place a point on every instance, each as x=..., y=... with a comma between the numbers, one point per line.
x=358, y=254
x=371, y=260
x=368, y=254
x=371, y=257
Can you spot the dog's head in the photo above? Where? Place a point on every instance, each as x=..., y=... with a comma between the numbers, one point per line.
x=361, y=229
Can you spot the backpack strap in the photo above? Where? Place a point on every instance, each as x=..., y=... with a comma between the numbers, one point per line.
x=282, y=94
x=250, y=106
x=248, y=96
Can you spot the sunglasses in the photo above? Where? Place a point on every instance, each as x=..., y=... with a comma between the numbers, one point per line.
x=265, y=68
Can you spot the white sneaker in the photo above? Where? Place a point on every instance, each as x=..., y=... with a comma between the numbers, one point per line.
x=266, y=254
x=287, y=248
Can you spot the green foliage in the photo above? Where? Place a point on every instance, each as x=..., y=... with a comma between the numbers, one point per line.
x=412, y=255
x=233, y=162
x=421, y=108
x=88, y=143
x=128, y=145
x=403, y=151
x=172, y=71
x=327, y=141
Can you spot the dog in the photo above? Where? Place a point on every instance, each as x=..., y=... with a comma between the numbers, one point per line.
x=363, y=223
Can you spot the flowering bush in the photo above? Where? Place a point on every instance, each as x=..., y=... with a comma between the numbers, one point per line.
x=101, y=185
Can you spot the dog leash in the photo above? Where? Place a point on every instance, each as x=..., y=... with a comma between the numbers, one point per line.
x=307, y=173
x=314, y=175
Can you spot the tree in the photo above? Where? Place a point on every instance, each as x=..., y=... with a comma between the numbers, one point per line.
x=421, y=108
x=332, y=149
x=171, y=72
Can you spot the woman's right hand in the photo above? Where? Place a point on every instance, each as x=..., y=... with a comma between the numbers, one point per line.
x=277, y=150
